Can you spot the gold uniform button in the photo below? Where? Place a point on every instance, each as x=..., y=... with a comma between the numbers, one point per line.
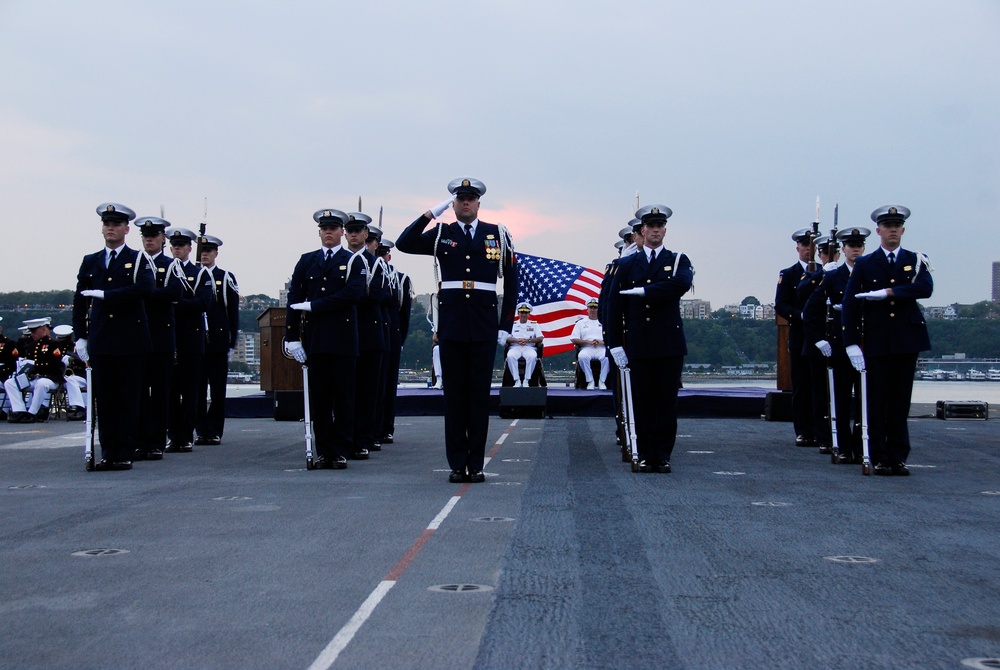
x=468, y=269
x=892, y=314
x=468, y=258
x=648, y=281
x=466, y=295
x=647, y=318
x=323, y=288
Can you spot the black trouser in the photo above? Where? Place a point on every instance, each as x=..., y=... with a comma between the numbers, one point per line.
x=391, y=365
x=117, y=385
x=331, y=403
x=468, y=367
x=801, y=396
x=184, y=393
x=654, y=398
x=847, y=389
x=890, y=385
x=154, y=401
x=212, y=415
x=819, y=395
x=366, y=385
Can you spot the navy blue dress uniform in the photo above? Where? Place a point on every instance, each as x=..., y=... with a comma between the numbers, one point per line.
x=223, y=328
x=891, y=331
x=813, y=357
x=398, y=312
x=372, y=336
x=328, y=333
x=112, y=333
x=821, y=318
x=154, y=403
x=191, y=327
x=648, y=326
x=471, y=255
x=788, y=304
x=625, y=239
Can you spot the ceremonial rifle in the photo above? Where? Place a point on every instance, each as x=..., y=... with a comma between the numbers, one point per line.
x=812, y=240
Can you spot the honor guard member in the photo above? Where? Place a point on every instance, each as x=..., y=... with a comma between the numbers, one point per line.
x=321, y=331
x=372, y=335
x=645, y=333
x=813, y=357
x=525, y=336
x=75, y=377
x=109, y=324
x=372, y=244
x=823, y=330
x=223, y=328
x=787, y=304
x=191, y=321
x=588, y=334
x=627, y=236
x=42, y=364
x=154, y=403
x=401, y=300
x=471, y=255
x=884, y=332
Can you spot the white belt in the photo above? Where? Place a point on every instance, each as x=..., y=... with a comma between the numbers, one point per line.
x=469, y=285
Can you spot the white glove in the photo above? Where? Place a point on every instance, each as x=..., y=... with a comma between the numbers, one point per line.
x=502, y=337
x=832, y=265
x=81, y=350
x=302, y=306
x=296, y=351
x=621, y=359
x=24, y=362
x=880, y=294
x=438, y=209
x=640, y=291
x=825, y=348
x=857, y=358
x=93, y=293
x=65, y=360
x=838, y=307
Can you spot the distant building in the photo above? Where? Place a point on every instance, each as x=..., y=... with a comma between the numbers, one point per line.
x=696, y=309
x=248, y=349
x=996, y=281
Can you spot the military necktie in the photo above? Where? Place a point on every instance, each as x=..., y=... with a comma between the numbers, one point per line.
x=892, y=259
x=111, y=260
x=652, y=256
x=328, y=255
x=468, y=231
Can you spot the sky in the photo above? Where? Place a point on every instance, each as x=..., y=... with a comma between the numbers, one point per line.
x=736, y=115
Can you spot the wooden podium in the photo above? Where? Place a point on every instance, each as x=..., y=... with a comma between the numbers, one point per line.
x=278, y=372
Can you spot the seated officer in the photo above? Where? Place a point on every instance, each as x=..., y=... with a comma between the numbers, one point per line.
x=524, y=338
x=588, y=334
x=45, y=357
x=76, y=373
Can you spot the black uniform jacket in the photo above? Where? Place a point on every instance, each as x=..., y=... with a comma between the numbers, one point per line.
x=48, y=356
x=467, y=315
x=115, y=324
x=819, y=320
x=223, y=312
x=191, y=308
x=788, y=305
x=893, y=325
x=372, y=326
x=333, y=293
x=160, y=305
x=649, y=326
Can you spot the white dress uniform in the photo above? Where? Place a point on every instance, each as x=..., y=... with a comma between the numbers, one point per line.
x=591, y=329
x=525, y=351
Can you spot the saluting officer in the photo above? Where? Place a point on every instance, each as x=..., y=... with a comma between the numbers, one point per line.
x=645, y=333
x=321, y=331
x=472, y=255
x=789, y=306
x=154, y=403
x=191, y=327
x=372, y=333
x=223, y=328
x=823, y=329
x=884, y=332
x=109, y=323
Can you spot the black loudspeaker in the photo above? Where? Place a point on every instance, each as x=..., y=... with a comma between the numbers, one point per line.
x=289, y=406
x=778, y=406
x=959, y=409
x=517, y=403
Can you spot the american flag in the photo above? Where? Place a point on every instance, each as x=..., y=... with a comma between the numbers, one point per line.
x=558, y=293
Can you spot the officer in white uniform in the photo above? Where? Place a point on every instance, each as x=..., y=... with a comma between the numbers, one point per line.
x=588, y=334
x=524, y=337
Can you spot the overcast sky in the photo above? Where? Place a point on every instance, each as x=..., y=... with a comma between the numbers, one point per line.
x=737, y=115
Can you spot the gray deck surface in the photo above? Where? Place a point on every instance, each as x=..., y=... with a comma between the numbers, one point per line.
x=239, y=558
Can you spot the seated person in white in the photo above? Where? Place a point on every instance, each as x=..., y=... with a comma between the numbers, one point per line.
x=524, y=337
x=76, y=370
x=589, y=336
x=436, y=362
x=43, y=361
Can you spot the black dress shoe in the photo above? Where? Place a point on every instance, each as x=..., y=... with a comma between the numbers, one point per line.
x=647, y=466
x=457, y=477
x=900, y=470
x=154, y=455
x=386, y=439
x=803, y=441
x=663, y=467
x=360, y=455
x=75, y=413
x=376, y=446
x=104, y=464
x=174, y=447
x=43, y=415
x=201, y=440
x=883, y=470
x=139, y=455
x=213, y=440
x=338, y=463
x=476, y=476
x=825, y=449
